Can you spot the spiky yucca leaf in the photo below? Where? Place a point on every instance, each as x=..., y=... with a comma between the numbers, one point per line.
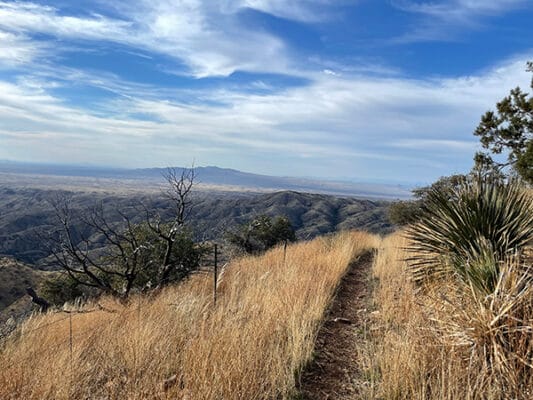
x=469, y=231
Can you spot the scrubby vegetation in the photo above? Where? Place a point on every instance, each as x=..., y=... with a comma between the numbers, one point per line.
x=261, y=233
x=177, y=343
x=448, y=341
x=406, y=212
x=136, y=254
x=455, y=319
x=470, y=231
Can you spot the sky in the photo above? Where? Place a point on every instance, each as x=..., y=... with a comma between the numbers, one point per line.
x=362, y=90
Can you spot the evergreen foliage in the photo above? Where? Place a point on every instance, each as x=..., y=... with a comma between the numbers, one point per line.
x=509, y=130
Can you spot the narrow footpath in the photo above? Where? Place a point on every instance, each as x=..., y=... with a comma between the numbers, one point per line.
x=334, y=372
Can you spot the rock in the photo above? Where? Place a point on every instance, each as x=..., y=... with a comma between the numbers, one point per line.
x=342, y=320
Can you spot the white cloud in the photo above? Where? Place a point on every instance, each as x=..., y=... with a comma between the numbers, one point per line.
x=437, y=145
x=298, y=10
x=18, y=49
x=208, y=37
x=459, y=10
x=336, y=121
x=30, y=17
x=442, y=20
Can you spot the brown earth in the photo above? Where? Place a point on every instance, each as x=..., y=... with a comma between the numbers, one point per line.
x=334, y=373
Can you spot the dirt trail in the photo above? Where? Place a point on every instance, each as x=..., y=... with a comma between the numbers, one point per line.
x=334, y=373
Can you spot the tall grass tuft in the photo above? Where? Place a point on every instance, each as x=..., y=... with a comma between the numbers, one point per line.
x=469, y=232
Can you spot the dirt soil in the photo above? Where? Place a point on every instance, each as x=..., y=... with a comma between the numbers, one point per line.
x=334, y=372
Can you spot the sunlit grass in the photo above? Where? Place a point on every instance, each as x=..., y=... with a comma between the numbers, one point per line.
x=178, y=344
x=446, y=341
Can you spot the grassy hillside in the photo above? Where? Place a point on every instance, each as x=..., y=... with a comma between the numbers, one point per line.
x=178, y=344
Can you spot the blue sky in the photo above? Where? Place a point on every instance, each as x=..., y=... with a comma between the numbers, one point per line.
x=366, y=90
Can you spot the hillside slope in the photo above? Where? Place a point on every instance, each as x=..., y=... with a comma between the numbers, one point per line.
x=178, y=344
x=25, y=210
x=15, y=277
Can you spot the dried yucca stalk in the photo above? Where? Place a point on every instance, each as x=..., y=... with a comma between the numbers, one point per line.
x=492, y=333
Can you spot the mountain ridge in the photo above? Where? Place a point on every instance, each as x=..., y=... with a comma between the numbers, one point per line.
x=220, y=178
x=25, y=210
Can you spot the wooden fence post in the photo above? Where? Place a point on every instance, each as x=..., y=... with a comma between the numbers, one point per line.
x=215, y=280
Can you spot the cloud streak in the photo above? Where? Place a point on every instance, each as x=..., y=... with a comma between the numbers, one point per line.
x=19, y=49
x=207, y=37
x=336, y=121
x=442, y=20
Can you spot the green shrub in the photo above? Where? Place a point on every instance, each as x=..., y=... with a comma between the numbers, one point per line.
x=484, y=223
x=62, y=288
x=146, y=262
x=407, y=212
x=261, y=234
x=185, y=257
x=404, y=212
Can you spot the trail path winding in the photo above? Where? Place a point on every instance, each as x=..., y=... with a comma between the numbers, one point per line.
x=334, y=372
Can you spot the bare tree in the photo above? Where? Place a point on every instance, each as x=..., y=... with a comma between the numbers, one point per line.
x=178, y=193
x=152, y=252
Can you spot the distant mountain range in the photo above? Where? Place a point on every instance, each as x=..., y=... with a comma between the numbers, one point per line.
x=214, y=177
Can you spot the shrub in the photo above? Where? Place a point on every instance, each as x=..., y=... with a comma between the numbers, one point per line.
x=185, y=257
x=407, y=212
x=404, y=212
x=61, y=289
x=486, y=223
x=261, y=234
x=145, y=261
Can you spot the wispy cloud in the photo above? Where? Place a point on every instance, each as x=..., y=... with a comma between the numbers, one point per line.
x=458, y=9
x=297, y=10
x=443, y=19
x=208, y=37
x=18, y=49
x=468, y=146
x=335, y=121
x=30, y=17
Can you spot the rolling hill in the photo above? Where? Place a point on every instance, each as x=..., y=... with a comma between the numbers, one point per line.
x=26, y=210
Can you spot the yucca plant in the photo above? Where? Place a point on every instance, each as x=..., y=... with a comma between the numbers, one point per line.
x=469, y=231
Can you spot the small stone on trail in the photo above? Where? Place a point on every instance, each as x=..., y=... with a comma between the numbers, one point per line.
x=342, y=320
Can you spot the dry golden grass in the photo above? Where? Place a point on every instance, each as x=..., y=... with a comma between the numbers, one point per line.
x=445, y=341
x=250, y=346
